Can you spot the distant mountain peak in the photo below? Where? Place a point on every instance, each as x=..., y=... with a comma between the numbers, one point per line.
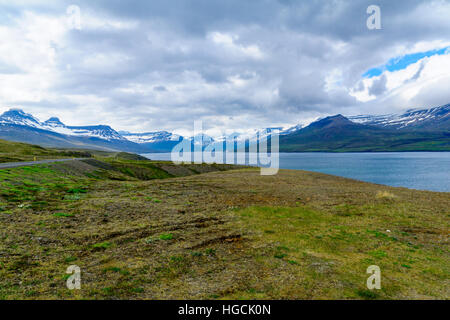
x=332, y=121
x=19, y=117
x=54, y=122
x=15, y=112
x=202, y=139
x=338, y=117
x=150, y=137
x=292, y=129
x=429, y=119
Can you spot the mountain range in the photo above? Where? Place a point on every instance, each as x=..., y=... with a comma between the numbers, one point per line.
x=414, y=130
x=424, y=119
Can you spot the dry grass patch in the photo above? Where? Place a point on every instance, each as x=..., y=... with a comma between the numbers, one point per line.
x=385, y=195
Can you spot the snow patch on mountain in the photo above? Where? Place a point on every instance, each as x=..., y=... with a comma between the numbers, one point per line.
x=54, y=123
x=249, y=135
x=150, y=137
x=19, y=118
x=292, y=129
x=101, y=132
x=412, y=117
x=202, y=139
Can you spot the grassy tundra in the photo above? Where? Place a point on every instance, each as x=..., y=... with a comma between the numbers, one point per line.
x=152, y=230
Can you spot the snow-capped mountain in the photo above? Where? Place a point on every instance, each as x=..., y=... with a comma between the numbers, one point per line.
x=339, y=134
x=433, y=119
x=54, y=123
x=292, y=129
x=19, y=118
x=101, y=132
x=150, y=137
x=202, y=139
x=16, y=125
x=250, y=135
x=430, y=126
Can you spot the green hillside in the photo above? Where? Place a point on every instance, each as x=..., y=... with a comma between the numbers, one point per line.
x=16, y=151
x=338, y=134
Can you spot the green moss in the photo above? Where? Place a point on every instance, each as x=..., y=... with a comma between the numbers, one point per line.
x=367, y=294
x=116, y=270
x=70, y=259
x=63, y=214
x=102, y=245
x=210, y=252
x=378, y=253
x=166, y=236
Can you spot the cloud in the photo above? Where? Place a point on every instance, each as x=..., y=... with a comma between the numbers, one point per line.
x=417, y=74
x=378, y=86
x=159, y=88
x=228, y=42
x=153, y=65
x=421, y=84
x=403, y=62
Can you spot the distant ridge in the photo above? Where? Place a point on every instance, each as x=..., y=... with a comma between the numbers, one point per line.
x=414, y=130
x=437, y=118
x=16, y=125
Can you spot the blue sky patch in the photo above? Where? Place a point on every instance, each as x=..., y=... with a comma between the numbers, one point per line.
x=402, y=62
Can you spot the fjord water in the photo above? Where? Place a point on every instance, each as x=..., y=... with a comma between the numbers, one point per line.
x=415, y=170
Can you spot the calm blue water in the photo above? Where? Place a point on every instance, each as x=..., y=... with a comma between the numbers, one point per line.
x=415, y=170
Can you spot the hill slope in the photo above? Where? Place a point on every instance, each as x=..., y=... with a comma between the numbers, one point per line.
x=339, y=134
x=433, y=119
x=15, y=152
x=230, y=234
x=16, y=125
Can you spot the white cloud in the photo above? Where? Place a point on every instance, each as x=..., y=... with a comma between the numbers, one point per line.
x=412, y=85
x=228, y=41
x=92, y=21
x=276, y=64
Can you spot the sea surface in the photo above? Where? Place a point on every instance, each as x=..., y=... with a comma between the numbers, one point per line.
x=415, y=170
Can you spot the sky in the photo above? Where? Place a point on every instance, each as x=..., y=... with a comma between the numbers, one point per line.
x=145, y=66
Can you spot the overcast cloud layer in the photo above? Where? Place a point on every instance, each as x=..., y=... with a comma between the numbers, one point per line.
x=154, y=65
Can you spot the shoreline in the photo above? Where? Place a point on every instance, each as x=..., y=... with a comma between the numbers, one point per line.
x=418, y=171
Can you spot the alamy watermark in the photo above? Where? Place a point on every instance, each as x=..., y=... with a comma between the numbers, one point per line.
x=232, y=149
x=374, y=281
x=374, y=20
x=73, y=17
x=74, y=280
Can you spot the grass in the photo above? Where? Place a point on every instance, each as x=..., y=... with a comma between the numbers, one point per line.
x=297, y=235
x=385, y=195
x=15, y=151
x=102, y=245
x=167, y=236
x=62, y=214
